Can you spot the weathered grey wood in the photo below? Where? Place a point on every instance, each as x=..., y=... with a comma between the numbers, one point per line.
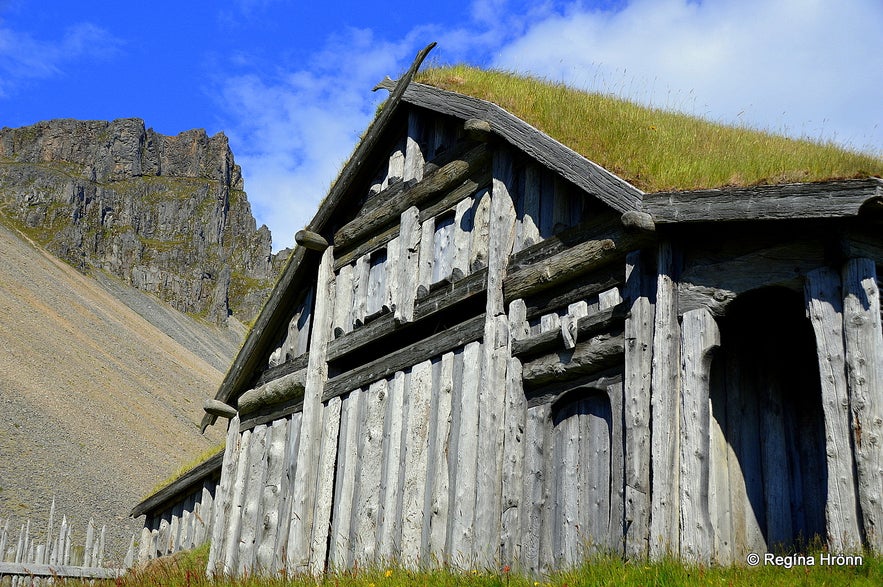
x=478, y=248
x=325, y=488
x=367, y=508
x=636, y=404
x=477, y=129
x=613, y=415
x=596, y=354
x=341, y=549
x=512, y=506
x=414, y=160
x=311, y=240
x=443, y=248
x=637, y=220
x=408, y=266
x=391, y=295
x=433, y=184
x=463, y=224
x=218, y=408
x=570, y=322
x=431, y=346
x=252, y=499
x=824, y=303
x=427, y=253
x=831, y=199
x=389, y=532
x=700, y=336
x=375, y=296
x=463, y=518
x=343, y=303
x=519, y=328
x=438, y=471
x=302, y=507
x=395, y=168
x=609, y=298
x=583, y=173
x=279, y=390
x=553, y=340
x=414, y=484
x=533, y=500
x=864, y=365
x=529, y=232
x=665, y=424
x=568, y=264
x=777, y=480
x=271, y=498
x=361, y=272
x=230, y=560
x=566, y=546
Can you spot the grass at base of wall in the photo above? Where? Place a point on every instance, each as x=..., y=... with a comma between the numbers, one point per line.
x=187, y=569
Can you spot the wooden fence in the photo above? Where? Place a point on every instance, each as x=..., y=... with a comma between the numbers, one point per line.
x=26, y=556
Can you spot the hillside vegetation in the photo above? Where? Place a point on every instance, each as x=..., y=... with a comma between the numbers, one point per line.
x=96, y=403
x=655, y=149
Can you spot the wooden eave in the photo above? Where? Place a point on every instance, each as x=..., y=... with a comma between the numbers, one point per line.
x=182, y=485
x=588, y=176
x=799, y=201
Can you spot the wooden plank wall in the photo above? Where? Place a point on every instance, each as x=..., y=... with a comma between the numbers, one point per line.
x=185, y=525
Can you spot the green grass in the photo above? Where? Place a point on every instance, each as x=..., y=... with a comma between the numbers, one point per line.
x=186, y=467
x=655, y=149
x=188, y=570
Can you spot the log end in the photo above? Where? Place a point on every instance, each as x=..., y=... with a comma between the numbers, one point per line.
x=218, y=408
x=638, y=221
x=311, y=240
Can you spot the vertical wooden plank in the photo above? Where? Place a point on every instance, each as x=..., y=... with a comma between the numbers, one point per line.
x=665, y=393
x=776, y=476
x=614, y=412
x=251, y=506
x=361, y=273
x=268, y=534
x=427, y=253
x=512, y=506
x=719, y=455
x=570, y=477
x=609, y=298
x=443, y=247
x=478, y=248
x=303, y=491
x=341, y=548
x=463, y=518
x=415, y=461
x=303, y=325
x=390, y=488
x=864, y=368
x=442, y=390
x=463, y=225
x=530, y=221
x=367, y=509
x=699, y=337
x=376, y=291
x=234, y=520
x=595, y=421
x=636, y=403
x=413, y=164
x=289, y=467
x=825, y=309
x=561, y=210
x=535, y=455
x=408, y=265
x=325, y=487
x=396, y=166
x=343, y=305
x=391, y=297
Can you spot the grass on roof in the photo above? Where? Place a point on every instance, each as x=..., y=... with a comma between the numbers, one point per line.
x=654, y=149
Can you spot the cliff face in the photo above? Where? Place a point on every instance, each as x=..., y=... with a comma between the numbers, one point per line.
x=167, y=214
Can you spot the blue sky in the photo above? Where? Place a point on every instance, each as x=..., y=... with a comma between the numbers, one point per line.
x=289, y=82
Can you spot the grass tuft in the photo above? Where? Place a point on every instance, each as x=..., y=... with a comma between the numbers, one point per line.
x=651, y=148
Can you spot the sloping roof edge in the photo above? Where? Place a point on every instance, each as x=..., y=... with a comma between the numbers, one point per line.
x=255, y=341
x=584, y=173
x=188, y=480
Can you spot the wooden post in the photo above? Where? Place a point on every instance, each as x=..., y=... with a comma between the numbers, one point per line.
x=416, y=452
x=514, y=422
x=271, y=498
x=302, y=506
x=325, y=488
x=341, y=550
x=440, y=438
x=409, y=257
x=864, y=368
x=366, y=510
x=223, y=501
x=413, y=168
x=390, y=485
x=463, y=518
x=825, y=309
x=700, y=337
x=638, y=369
x=664, y=399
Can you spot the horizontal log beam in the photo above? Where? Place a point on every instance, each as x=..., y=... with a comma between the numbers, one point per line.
x=596, y=354
x=432, y=346
x=437, y=182
x=830, y=199
x=218, y=408
x=311, y=240
x=586, y=327
x=274, y=392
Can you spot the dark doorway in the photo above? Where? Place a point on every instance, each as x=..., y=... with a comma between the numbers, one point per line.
x=766, y=403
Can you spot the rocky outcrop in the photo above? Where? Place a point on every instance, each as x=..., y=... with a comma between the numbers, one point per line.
x=167, y=214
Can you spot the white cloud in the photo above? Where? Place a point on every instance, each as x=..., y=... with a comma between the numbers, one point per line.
x=292, y=131
x=23, y=57
x=810, y=68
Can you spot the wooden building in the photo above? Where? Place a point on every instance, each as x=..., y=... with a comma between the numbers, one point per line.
x=488, y=350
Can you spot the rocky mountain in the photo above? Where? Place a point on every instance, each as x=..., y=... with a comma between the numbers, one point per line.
x=165, y=214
